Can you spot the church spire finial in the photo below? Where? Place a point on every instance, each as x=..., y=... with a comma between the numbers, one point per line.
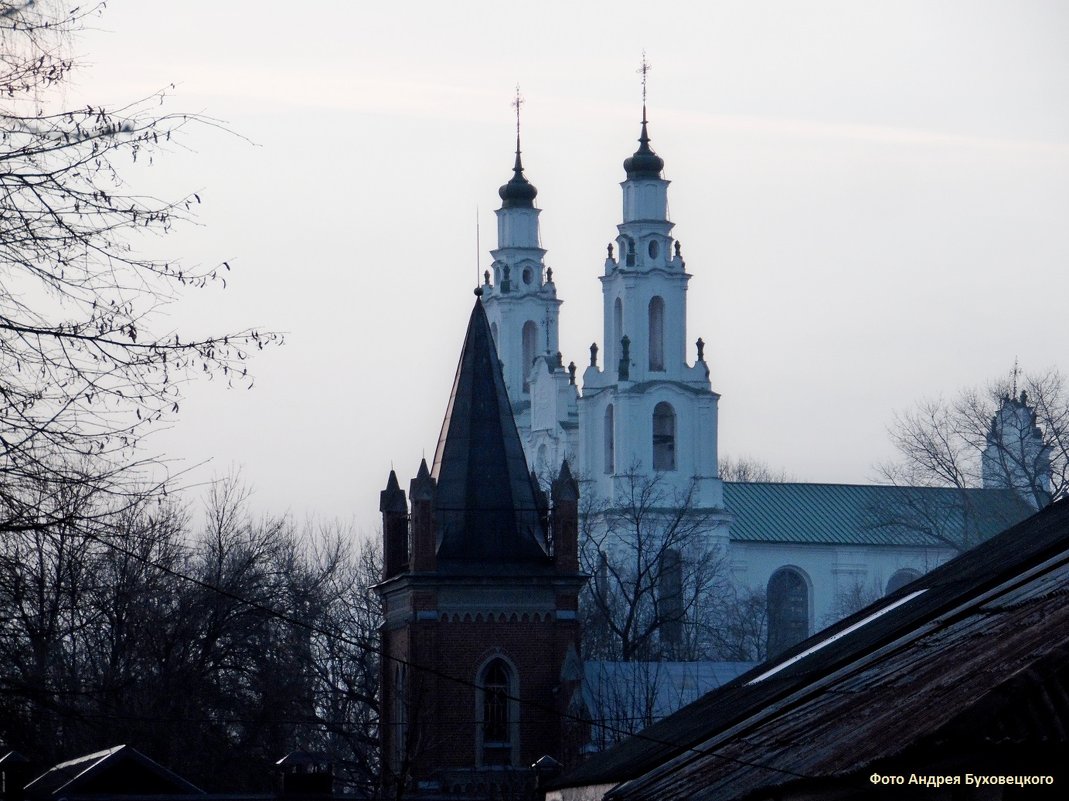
x=644, y=163
x=645, y=70
x=517, y=103
x=518, y=192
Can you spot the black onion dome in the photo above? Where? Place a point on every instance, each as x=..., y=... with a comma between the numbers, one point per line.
x=518, y=193
x=645, y=163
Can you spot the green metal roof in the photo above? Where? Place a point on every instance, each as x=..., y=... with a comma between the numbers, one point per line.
x=850, y=514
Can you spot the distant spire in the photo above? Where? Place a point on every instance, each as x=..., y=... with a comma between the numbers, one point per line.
x=518, y=192
x=644, y=163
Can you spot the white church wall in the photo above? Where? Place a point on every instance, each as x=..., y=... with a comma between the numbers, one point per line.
x=836, y=574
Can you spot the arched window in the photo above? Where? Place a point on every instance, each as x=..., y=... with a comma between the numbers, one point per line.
x=788, y=610
x=493, y=332
x=664, y=437
x=498, y=716
x=610, y=440
x=400, y=717
x=670, y=599
x=900, y=579
x=530, y=342
x=617, y=333
x=657, y=334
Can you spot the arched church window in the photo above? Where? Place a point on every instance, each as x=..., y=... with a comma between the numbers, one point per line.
x=400, y=712
x=498, y=713
x=653, y=249
x=901, y=578
x=610, y=440
x=656, y=315
x=493, y=332
x=664, y=437
x=670, y=599
x=530, y=342
x=528, y=275
x=617, y=333
x=788, y=610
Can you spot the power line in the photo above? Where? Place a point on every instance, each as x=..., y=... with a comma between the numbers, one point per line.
x=340, y=636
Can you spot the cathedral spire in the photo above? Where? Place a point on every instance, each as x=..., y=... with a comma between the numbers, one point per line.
x=644, y=163
x=485, y=505
x=518, y=193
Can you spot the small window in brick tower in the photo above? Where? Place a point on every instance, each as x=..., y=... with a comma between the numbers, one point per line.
x=664, y=437
x=496, y=718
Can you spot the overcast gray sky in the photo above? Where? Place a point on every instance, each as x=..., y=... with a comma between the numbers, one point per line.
x=872, y=198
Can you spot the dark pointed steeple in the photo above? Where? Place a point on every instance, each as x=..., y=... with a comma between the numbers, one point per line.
x=392, y=499
x=485, y=503
x=565, y=487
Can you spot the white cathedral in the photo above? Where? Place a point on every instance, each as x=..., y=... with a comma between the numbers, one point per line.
x=644, y=409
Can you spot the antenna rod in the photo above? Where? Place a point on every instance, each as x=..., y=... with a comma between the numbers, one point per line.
x=478, y=247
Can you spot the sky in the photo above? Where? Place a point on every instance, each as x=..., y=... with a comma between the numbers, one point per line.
x=872, y=198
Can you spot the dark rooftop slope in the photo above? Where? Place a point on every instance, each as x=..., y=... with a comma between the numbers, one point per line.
x=121, y=770
x=913, y=674
x=485, y=502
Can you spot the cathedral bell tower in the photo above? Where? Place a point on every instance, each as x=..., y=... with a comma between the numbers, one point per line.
x=518, y=291
x=1016, y=456
x=645, y=411
x=480, y=667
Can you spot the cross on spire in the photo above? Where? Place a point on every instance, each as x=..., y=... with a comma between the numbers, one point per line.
x=645, y=70
x=519, y=101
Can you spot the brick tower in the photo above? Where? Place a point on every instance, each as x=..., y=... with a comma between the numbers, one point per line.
x=479, y=590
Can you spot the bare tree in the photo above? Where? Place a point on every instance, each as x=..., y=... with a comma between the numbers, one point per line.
x=741, y=632
x=216, y=650
x=656, y=566
x=86, y=365
x=748, y=469
x=852, y=598
x=345, y=658
x=1012, y=434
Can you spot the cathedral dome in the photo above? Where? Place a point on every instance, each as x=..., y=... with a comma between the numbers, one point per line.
x=518, y=193
x=644, y=163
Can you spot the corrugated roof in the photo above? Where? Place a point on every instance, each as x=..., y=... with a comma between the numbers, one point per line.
x=622, y=697
x=850, y=514
x=120, y=769
x=988, y=625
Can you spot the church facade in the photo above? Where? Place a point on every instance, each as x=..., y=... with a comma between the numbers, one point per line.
x=481, y=678
x=646, y=412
